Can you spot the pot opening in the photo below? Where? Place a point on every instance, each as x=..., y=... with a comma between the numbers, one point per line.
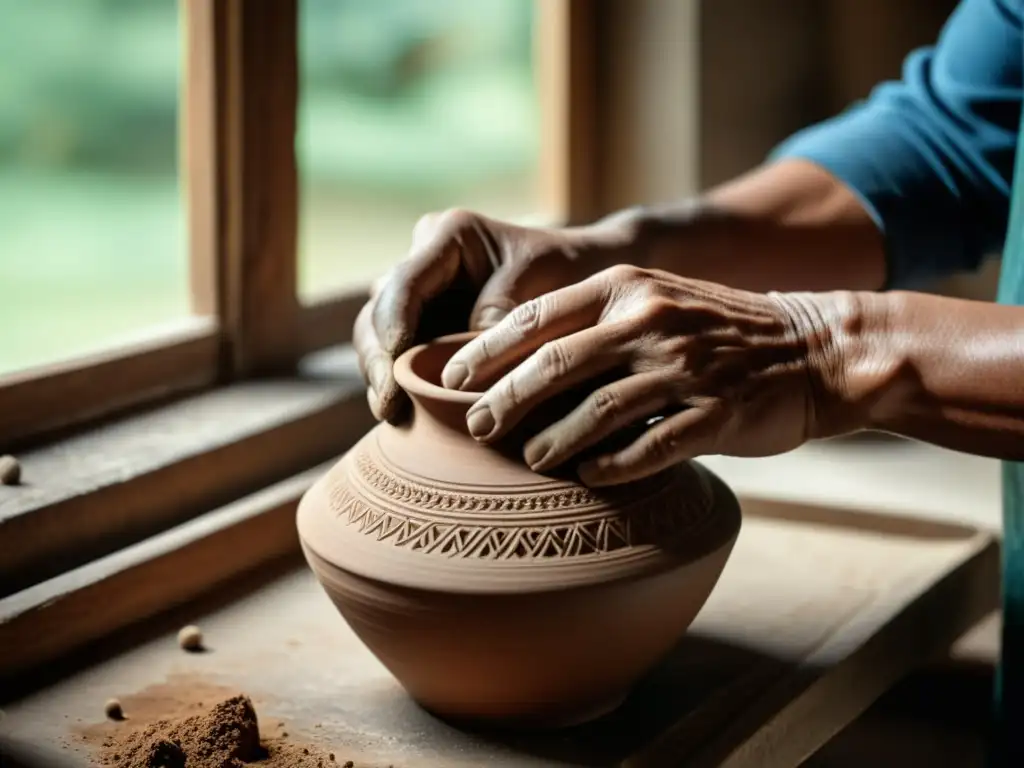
x=418, y=371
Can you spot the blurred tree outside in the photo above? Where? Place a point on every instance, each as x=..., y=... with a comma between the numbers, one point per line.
x=406, y=106
x=409, y=106
x=91, y=223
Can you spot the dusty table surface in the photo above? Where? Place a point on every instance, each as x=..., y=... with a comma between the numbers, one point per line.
x=817, y=613
x=875, y=472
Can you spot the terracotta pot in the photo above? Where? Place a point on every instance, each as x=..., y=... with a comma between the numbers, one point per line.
x=491, y=592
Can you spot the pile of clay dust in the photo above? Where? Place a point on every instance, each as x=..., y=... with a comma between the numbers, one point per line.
x=227, y=736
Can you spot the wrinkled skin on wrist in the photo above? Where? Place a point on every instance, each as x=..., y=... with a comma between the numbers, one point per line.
x=464, y=271
x=730, y=371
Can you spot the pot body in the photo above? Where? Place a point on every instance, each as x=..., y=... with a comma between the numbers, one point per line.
x=494, y=593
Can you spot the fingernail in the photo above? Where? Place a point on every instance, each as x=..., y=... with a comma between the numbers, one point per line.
x=454, y=375
x=490, y=317
x=481, y=422
x=378, y=374
x=534, y=454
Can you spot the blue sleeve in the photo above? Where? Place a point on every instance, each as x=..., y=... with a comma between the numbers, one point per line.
x=931, y=156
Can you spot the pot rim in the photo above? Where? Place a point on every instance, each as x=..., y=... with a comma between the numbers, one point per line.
x=414, y=384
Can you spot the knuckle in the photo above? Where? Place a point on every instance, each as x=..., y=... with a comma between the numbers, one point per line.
x=622, y=273
x=455, y=220
x=426, y=223
x=527, y=316
x=604, y=405
x=435, y=229
x=507, y=400
x=553, y=360
x=658, y=312
x=480, y=349
x=662, y=446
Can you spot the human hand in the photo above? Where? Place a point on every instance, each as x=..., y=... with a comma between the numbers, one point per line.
x=464, y=271
x=731, y=372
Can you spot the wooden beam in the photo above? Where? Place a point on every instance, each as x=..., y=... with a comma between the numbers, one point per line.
x=200, y=112
x=566, y=69
x=262, y=182
x=38, y=401
x=48, y=621
x=242, y=95
x=329, y=321
x=91, y=494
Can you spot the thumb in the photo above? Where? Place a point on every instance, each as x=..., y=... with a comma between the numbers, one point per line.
x=502, y=293
x=514, y=283
x=490, y=310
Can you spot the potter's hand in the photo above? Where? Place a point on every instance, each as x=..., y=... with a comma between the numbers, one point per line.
x=465, y=271
x=732, y=372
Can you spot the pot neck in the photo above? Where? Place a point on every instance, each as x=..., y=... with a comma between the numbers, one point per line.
x=418, y=372
x=440, y=414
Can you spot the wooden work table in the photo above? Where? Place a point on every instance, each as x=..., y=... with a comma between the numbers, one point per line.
x=819, y=612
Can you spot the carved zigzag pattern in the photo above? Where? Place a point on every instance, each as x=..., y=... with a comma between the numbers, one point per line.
x=405, y=492
x=660, y=519
x=490, y=541
x=656, y=523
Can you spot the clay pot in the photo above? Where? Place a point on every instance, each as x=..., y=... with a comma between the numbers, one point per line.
x=494, y=593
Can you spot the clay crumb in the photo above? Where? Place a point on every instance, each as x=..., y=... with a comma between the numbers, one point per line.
x=10, y=470
x=113, y=710
x=348, y=764
x=190, y=638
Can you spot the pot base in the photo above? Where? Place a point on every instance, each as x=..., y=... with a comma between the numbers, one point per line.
x=556, y=721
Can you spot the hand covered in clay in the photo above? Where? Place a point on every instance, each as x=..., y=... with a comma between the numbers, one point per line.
x=728, y=371
x=464, y=271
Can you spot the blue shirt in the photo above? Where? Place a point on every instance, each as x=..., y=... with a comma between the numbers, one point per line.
x=932, y=157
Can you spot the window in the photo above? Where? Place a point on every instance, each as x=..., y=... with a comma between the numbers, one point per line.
x=90, y=209
x=406, y=107
x=215, y=398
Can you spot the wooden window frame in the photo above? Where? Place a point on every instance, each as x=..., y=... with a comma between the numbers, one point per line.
x=269, y=379
x=241, y=181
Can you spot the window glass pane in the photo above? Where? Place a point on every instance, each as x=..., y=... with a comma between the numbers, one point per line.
x=409, y=106
x=91, y=223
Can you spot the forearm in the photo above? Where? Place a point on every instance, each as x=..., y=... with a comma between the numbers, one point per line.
x=945, y=371
x=786, y=226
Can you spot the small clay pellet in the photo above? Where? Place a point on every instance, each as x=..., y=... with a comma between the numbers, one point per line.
x=190, y=638
x=10, y=470
x=113, y=710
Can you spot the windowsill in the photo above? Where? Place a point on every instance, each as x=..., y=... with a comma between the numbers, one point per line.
x=95, y=492
x=130, y=502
